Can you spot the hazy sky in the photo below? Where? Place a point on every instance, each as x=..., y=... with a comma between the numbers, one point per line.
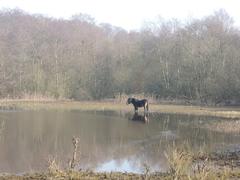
x=129, y=14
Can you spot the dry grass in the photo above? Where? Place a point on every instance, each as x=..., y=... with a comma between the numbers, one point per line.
x=185, y=164
x=179, y=162
x=31, y=97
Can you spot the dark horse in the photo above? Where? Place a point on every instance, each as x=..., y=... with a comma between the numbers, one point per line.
x=138, y=103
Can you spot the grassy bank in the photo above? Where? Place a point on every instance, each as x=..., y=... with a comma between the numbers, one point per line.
x=202, y=174
x=226, y=112
x=87, y=175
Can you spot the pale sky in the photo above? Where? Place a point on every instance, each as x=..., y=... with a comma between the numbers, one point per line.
x=128, y=14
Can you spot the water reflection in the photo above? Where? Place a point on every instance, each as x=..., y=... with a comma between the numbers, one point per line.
x=140, y=118
x=108, y=140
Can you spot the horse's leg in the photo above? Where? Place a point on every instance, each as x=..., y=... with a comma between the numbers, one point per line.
x=136, y=108
x=147, y=106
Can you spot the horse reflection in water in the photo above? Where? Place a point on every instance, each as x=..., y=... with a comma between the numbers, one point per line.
x=140, y=118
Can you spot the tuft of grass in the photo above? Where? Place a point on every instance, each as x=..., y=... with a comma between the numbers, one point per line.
x=179, y=161
x=53, y=168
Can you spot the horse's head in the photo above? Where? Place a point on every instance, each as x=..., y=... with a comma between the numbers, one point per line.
x=129, y=101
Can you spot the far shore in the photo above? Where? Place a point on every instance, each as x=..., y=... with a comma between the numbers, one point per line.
x=22, y=104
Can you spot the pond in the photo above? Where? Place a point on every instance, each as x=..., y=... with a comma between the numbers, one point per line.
x=108, y=140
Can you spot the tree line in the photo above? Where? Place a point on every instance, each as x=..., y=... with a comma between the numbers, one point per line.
x=76, y=58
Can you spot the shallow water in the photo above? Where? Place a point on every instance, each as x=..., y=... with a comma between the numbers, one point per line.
x=109, y=141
